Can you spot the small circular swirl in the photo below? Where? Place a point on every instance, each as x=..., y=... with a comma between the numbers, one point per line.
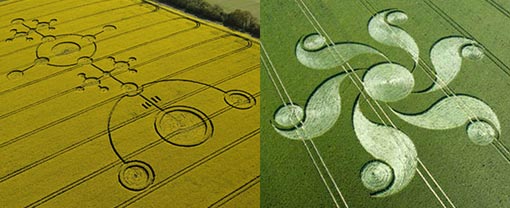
x=376, y=175
x=481, y=133
x=396, y=17
x=288, y=116
x=314, y=42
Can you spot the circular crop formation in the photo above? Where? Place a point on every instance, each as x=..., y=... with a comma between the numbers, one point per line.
x=481, y=133
x=388, y=82
x=136, y=175
x=183, y=126
x=66, y=50
x=396, y=17
x=376, y=175
x=131, y=89
x=314, y=42
x=289, y=116
x=239, y=99
x=472, y=52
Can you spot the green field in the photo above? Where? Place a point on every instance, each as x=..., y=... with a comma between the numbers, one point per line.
x=470, y=175
x=116, y=103
x=248, y=5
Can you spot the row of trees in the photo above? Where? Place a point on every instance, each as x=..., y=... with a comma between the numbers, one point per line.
x=238, y=19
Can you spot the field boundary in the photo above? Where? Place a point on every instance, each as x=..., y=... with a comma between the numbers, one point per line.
x=202, y=21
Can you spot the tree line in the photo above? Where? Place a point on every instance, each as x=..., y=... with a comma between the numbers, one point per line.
x=238, y=19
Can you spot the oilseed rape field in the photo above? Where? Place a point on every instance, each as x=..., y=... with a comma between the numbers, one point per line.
x=116, y=103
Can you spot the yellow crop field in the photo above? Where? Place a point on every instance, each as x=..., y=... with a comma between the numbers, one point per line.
x=116, y=103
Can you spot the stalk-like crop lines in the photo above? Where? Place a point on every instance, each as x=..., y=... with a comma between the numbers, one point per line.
x=446, y=90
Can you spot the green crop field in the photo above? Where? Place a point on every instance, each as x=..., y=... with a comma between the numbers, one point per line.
x=248, y=5
x=432, y=125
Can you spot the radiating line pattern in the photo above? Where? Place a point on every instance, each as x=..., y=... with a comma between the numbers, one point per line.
x=388, y=82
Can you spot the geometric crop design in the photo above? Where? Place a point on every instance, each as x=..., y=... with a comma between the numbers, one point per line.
x=385, y=103
x=395, y=154
x=119, y=103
